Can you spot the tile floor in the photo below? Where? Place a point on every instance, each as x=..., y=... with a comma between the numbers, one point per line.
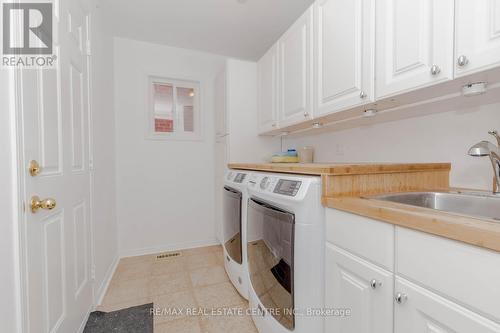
x=196, y=279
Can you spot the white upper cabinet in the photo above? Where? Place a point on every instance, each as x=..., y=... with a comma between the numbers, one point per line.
x=344, y=54
x=414, y=44
x=267, y=90
x=360, y=286
x=477, y=39
x=295, y=63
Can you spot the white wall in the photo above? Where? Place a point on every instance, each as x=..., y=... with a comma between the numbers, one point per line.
x=443, y=137
x=105, y=230
x=164, y=188
x=9, y=257
x=245, y=146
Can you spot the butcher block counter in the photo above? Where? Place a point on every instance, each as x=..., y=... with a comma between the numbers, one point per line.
x=346, y=186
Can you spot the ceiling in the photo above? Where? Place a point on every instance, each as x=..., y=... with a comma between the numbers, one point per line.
x=242, y=29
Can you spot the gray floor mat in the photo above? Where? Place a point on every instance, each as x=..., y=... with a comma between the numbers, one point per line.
x=137, y=319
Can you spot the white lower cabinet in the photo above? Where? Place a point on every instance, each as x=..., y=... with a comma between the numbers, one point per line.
x=361, y=287
x=419, y=310
x=437, y=286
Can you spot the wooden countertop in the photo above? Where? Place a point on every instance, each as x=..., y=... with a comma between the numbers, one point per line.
x=345, y=185
x=476, y=231
x=339, y=169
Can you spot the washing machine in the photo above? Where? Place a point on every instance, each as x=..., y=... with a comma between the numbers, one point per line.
x=235, y=198
x=285, y=248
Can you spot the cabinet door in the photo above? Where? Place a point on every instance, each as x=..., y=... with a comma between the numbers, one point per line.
x=344, y=54
x=424, y=311
x=295, y=59
x=267, y=68
x=414, y=44
x=477, y=38
x=348, y=285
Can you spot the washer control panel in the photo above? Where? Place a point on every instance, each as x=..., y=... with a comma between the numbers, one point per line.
x=287, y=187
x=282, y=186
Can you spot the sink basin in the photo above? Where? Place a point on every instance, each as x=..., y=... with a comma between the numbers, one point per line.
x=464, y=203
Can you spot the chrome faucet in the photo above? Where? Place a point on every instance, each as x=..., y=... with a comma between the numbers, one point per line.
x=486, y=148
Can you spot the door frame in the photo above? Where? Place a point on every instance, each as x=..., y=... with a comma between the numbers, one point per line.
x=21, y=212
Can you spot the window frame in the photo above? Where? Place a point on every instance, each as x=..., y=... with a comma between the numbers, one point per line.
x=197, y=133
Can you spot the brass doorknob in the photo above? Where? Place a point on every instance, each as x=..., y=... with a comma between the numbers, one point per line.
x=37, y=203
x=34, y=168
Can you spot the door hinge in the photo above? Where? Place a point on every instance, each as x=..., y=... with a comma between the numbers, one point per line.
x=92, y=273
x=87, y=46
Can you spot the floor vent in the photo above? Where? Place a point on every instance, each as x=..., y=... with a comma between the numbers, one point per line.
x=167, y=255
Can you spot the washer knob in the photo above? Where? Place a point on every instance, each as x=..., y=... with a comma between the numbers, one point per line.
x=264, y=183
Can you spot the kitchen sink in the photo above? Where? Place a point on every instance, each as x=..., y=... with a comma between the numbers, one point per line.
x=465, y=203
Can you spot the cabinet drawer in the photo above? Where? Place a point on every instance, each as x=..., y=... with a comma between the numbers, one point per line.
x=367, y=238
x=424, y=311
x=467, y=274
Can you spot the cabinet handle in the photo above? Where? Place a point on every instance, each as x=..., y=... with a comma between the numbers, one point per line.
x=435, y=70
x=375, y=284
x=362, y=94
x=306, y=114
x=273, y=125
x=401, y=298
x=462, y=61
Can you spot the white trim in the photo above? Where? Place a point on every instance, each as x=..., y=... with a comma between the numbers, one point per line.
x=21, y=194
x=17, y=200
x=169, y=247
x=101, y=292
x=90, y=102
x=85, y=319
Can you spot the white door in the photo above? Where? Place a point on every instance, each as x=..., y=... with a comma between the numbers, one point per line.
x=364, y=288
x=344, y=54
x=267, y=90
x=414, y=44
x=419, y=310
x=55, y=113
x=477, y=38
x=295, y=74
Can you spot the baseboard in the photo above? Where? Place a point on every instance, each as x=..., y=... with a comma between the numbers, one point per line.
x=167, y=247
x=86, y=318
x=107, y=279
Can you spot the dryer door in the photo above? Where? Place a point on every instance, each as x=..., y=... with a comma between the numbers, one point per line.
x=270, y=259
x=232, y=223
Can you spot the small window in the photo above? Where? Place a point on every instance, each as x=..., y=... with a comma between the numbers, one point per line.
x=174, y=111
